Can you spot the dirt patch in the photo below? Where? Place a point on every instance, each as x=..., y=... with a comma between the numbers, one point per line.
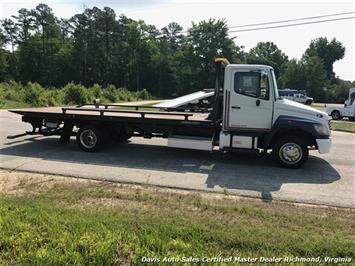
x=108, y=194
x=22, y=183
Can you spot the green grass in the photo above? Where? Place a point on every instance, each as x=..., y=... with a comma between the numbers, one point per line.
x=343, y=125
x=103, y=225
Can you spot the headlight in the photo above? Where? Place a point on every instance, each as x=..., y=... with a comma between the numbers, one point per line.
x=322, y=130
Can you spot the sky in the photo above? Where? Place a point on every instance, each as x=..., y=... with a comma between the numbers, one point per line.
x=293, y=41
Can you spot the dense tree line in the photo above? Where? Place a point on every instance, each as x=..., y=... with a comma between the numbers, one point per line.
x=99, y=47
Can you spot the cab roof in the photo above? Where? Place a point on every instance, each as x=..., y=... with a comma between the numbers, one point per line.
x=249, y=66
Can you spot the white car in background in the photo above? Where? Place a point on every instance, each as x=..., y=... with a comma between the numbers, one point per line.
x=347, y=111
x=295, y=95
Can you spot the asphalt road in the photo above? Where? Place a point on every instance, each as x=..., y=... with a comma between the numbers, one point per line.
x=326, y=179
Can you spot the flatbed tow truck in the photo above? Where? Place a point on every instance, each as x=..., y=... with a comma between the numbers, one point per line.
x=247, y=114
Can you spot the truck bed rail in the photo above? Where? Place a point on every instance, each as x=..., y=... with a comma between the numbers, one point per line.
x=102, y=112
x=107, y=106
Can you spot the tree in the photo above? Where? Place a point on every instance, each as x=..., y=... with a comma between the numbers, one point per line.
x=267, y=53
x=316, y=77
x=204, y=42
x=45, y=43
x=66, y=29
x=169, y=44
x=172, y=34
x=3, y=57
x=328, y=52
x=307, y=73
x=25, y=23
x=10, y=33
x=10, y=36
x=292, y=75
x=97, y=34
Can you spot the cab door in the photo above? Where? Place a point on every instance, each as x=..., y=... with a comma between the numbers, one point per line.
x=249, y=101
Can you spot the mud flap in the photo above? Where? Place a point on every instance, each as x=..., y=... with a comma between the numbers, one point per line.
x=67, y=132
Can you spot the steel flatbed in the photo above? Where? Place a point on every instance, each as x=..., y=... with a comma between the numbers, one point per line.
x=102, y=113
x=115, y=118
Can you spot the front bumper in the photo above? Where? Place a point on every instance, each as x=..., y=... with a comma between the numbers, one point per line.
x=324, y=145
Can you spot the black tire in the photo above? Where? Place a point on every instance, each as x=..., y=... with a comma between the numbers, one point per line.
x=335, y=115
x=90, y=138
x=290, y=152
x=308, y=102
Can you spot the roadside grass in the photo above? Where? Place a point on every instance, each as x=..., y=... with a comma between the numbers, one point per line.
x=10, y=104
x=343, y=125
x=319, y=106
x=101, y=224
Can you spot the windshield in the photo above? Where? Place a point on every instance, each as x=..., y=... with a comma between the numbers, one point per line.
x=276, y=91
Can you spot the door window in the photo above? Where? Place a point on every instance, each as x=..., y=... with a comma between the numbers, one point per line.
x=352, y=98
x=252, y=84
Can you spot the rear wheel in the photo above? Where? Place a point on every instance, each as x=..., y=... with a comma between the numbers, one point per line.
x=290, y=152
x=90, y=138
x=335, y=115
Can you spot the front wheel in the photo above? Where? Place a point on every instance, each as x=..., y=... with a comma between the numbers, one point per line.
x=335, y=115
x=90, y=138
x=290, y=152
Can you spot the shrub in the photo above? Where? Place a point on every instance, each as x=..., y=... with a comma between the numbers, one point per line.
x=12, y=91
x=34, y=94
x=54, y=97
x=143, y=94
x=75, y=94
x=110, y=93
x=14, y=94
x=124, y=95
x=95, y=91
x=2, y=98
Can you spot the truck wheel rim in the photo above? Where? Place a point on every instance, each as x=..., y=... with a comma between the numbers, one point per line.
x=290, y=153
x=88, y=139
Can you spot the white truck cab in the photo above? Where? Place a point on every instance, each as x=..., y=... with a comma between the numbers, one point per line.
x=347, y=111
x=254, y=116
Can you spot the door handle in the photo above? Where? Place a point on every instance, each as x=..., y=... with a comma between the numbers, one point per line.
x=257, y=102
x=236, y=107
